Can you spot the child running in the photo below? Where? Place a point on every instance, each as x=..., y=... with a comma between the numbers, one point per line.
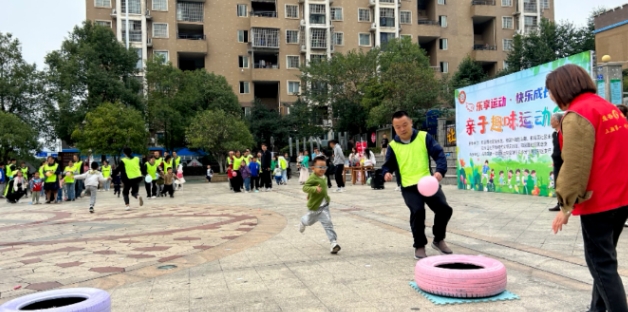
x=117, y=182
x=318, y=202
x=92, y=178
x=210, y=174
x=278, y=174
x=168, y=182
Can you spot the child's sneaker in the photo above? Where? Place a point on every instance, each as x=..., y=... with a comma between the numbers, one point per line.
x=335, y=248
x=91, y=209
x=301, y=227
x=127, y=208
x=342, y=189
x=154, y=197
x=256, y=191
x=337, y=190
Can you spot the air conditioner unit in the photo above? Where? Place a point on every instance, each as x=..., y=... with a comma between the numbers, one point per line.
x=148, y=14
x=303, y=48
x=372, y=2
x=373, y=26
x=302, y=22
x=113, y=12
x=149, y=42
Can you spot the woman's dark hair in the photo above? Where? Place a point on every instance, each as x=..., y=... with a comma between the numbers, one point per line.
x=127, y=151
x=623, y=109
x=168, y=158
x=94, y=165
x=567, y=82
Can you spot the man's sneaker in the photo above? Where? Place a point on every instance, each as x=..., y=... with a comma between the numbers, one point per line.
x=335, y=248
x=301, y=227
x=256, y=191
x=141, y=201
x=419, y=253
x=397, y=189
x=127, y=208
x=442, y=247
x=91, y=209
x=337, y=190
x=342, y=189
x=154, y=197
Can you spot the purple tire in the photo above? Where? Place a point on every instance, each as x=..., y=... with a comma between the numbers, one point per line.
x=62, y=300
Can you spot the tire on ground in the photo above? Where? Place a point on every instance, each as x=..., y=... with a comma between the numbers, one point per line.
x=461, y=276
x=62, y=300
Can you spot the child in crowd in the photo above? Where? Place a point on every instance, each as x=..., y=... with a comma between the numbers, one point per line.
x=318, y=203
x=116, y=184
x=60, y=191
x=245, y=173
x=277, y=173
x=210, y=174
x=92, y=178
x=254, y=169
x=180, y=179
x=36, y=185
x=3, y=180
x=168, y=181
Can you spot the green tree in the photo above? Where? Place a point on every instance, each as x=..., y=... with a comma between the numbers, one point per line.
x=110, y=128
x=265, y=123
x=218, y=132
x=22, y=87
x=17, y=139
x=469, y=73
x=90, y=68
x=304, y=120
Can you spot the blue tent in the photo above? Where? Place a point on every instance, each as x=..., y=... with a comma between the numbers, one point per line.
x=188, y=152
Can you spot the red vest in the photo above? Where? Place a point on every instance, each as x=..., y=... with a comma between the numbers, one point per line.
x=608, y=178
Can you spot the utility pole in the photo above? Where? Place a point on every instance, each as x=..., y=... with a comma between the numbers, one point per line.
x=126, y=2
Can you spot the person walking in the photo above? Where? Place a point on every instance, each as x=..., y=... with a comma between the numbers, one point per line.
x=410, y=153
x=384, y=144
x=92, y=178
x=339, y=164
x=556, y=157
x=593, y=145
x=149, y=168
x=131, y=175
x=52, y=172
x=237, y=181
x=106, y=173
x=68, y=181
x=267, y=182
x=283, y=165
x=304, y=173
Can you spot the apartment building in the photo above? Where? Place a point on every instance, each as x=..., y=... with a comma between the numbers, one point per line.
x=258, y=45
x=611, y=28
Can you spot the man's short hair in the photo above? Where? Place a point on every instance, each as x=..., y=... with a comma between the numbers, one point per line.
x=333, y=142
x=399, y=114
x=321, y=158
x=264, y=144
x=151, y=157
x=558, y=116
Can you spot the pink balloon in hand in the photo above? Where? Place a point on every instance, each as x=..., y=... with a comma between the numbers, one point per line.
x=428, y=186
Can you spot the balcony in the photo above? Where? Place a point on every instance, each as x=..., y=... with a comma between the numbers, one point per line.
x=429, y=28
x=259, y=21
x=531, y=28
x=192, y=45
x=266, y=74
x=485, y=53
x=530, y=7
x=190, y=12
x=264, y=38
x=481, y=8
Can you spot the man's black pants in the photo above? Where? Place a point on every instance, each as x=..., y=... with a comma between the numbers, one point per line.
x=340, y=170
x=266, y=181
x=151, y=189
x=133, y=185
x=416, y=203
x=600, y=232
x=168, y=189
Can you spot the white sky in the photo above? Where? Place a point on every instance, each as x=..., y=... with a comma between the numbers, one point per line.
x=41, y=25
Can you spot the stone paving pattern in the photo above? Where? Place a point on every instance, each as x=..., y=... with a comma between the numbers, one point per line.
x=243, y=252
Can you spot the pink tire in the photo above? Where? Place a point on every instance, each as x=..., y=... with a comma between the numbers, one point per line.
x=461, y=276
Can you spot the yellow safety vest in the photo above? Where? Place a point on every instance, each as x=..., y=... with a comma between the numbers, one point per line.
x=25, y=173
x=10, y=171
x=412, y=159
x=158, y=161
x=132, y=167
x=237, y=162
x=68, y=178
x=106, y=171
x=177, y=161
x=77, y=167
x=152, y=170
x=167, y=165
x=53, y=177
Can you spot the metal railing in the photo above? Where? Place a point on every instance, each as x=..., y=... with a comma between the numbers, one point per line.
x=134, y=36
x=267, y=65
x=191, y=36
x=484, y=47
x=263, y=13
x=483, y=2
x=530, y=7
x=531, y=28
x=428, y=22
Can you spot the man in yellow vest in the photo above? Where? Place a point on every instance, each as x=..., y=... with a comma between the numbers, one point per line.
x=11, y=167
x=237, y=181
x=410, y=153
x=68, y=179
x=24, y=169
x=150, y=169
x=131, y=176
x=79, y=186
x=106, y=173
x=177, y=160
x=52, y=171
x=168, y=163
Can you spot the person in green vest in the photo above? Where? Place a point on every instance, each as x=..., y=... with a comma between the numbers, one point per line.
x=52, y=173
x=79, y=186
x=106, y=173
x=131, y=174
x=150, y=168
x=168, y=163
x=158, y=158
x=68, y=179
x=410, y=153
x=24, y=170
x=11, y=167
x=238, y=182
x=177, y=159
x=247, y=156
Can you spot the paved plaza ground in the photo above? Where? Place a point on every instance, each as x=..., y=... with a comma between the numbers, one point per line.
x=243, y=252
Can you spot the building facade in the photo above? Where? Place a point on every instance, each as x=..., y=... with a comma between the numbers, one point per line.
x=258, y=45
x=611, y=35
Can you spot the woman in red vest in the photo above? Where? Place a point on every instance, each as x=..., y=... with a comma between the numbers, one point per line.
x=593, y=146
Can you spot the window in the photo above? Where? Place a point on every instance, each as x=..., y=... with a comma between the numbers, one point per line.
x=364, y=15
x=444, y=67
x=317, y=14
x=242, y=10
x=385, y=37
x=102, y=3
x=139, y=63
x=545, y=4
x=387, y=17
x=265, y=37
x=243, y=61
x=135, y=31
x=318, y=57
x=190, y=11
x=406, y=36
x=365, y=39
x=507, y=22
x=292, y=36
x=244, y=87
x=161, y=54
x=243, y=36
x=318, y=38
x=135, y=6
x=507, y=44
x=292, y=11
x=104, y=23
x=442, y=20
x=160, y=5
x=294, y=87
x=339, y=38
x=530, y=21
x=442, y=2
x=505, y=65
x=442, y=44
x=292, y=61
x=336, y=14
x=160, y=30
x=506, y=3
x=405, y=17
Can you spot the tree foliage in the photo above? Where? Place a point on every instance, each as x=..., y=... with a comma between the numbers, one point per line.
x=469, y=73
x=111, y=127
x=90, y=68
x=217, y=132
x=174, y=97
x=18, y=138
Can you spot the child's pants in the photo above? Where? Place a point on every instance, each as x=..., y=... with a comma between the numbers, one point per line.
x=247, y=184
x=59, y=195
x=69, y=191
x=284, y=176
x=35, y=197
x=151, y=189
x=278, y=179
x=91, y=190
x=255, y=182
x=168, y=189
x=116, y=189
x=106, y=185
x=322, y=215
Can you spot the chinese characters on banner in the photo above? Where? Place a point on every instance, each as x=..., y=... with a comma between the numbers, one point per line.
x=504, y=135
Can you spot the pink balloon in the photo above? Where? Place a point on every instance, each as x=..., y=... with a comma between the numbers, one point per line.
x=428, y=186
x=234, y=173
